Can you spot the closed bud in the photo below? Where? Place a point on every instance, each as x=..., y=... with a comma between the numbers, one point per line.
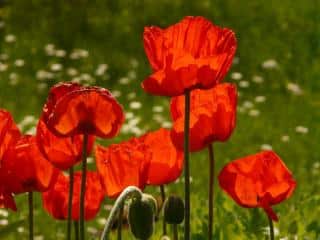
x=141, y=216
x=174, y=210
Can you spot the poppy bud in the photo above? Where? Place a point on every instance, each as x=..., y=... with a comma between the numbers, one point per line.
x=141, y=216
x=174, y=210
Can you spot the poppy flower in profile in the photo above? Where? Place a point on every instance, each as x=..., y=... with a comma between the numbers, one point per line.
x=74, y=109
x=62, y=152
x=122, y=165
x=166, y=162
x=191, y=54
x=260, y=180
x=150, y=159
x=212, y=116
x=26, y=165
x=55, y=200
x=9, y=135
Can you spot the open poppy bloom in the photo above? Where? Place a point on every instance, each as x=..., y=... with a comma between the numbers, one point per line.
x=62, y=152
x=191, y=54
x=55, y=200
x=27, y=169
x=259, y=180
x=150, y=159
x=9, y=135
x=73, y=109
x=212, y=116
x=122, y=165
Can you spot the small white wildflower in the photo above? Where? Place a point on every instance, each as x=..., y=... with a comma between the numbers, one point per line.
x=102, y=221
x=39, y=237
x=116, y=93
x=83, y=53
x=244, y=84
x=60, y=53
x=4, y=222
x=92, y=230
x=134, y=121
x=157, y=109
x=260, y=99
x=165, y=237
x=3, y=67
x=247, y=104
x=266, y=147
x=72, y=72
x=257, y=79
x=135, y=105
x=101, y=69
x=90, y=160
x=50, y=49
x=56, y=67
x=132, y=74
x=13, y=79
x=20, y=229
x=4, y=56
x=134, y=63
x=241, y=109
x=302, y=129
x=129, y=115
x=270, y=64
x=19, y=62
x=86, y=77
x=10, y=38
x=42, y=87
x=136, y=131
x=158, y=118
x=316, y=165
x=124, y=80
x=166, y=124
x=294, y=88
x=254, y=113
x=236, y=76
x=4, y=213
x=285, y=138
x=31, y=131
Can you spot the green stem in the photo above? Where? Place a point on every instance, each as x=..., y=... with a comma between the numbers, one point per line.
x=271, y=229
x=163, y=197
x=76, y=230
x=70, y=203
x=186, y=165
x=120, y=221
x=30, y=201
x=132, y=191
x=175, y=231
x=83, y=185
x=211, y=190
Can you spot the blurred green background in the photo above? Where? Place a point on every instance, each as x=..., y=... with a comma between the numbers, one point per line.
x=276, y=68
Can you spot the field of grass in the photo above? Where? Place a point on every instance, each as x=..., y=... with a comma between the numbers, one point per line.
x=277, y=70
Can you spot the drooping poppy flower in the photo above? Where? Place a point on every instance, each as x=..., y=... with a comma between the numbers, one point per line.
x=9, y=135
x=122, y=165
x=150, y=159
x=55, y=200
x=191, y=54
x=27, y=166
x=212, y=116
x=73, y=109
x=260, y=180
x=62, y=152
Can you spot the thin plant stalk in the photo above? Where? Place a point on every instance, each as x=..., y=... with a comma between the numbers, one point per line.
x=186, y=166
x=70, y=203
x=30, y=201
x=163, y=198
x=76, y=230
x=120, y=216
x=271, y=229
x=83, y=185
x=175, y=231
x=211, y=191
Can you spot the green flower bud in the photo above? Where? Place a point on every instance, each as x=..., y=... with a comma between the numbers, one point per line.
x=174, y=210
x=141, y=216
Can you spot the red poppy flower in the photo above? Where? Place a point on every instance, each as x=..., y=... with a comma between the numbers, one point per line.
x=259, y=180
x=25, y=164
x=212, y=116
x=150, y=159
x=73, y=109
x=55, y=200
x=166, y=161
x=62, y=152
x=122, y=165
x=193, y=53
x=9, y=135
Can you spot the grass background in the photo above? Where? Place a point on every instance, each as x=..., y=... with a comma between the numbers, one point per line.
x=286, y=32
